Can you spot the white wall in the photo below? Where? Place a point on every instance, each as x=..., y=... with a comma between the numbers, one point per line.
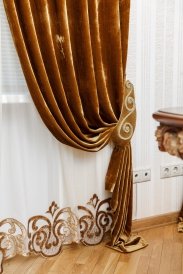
x=155, y=67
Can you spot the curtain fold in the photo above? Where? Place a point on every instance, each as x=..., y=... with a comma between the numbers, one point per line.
x=73, y=55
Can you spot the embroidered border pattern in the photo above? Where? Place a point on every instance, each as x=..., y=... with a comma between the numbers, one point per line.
x=96, y=221
x=13, y=240
x=48, y=234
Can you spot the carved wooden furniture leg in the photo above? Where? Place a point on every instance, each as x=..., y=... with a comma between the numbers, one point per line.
x=170, y=137
x=180, y=225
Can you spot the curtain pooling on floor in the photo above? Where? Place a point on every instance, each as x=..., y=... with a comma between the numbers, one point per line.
x=73, y=55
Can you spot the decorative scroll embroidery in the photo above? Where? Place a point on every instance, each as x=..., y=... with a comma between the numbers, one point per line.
x=13, y=240
x=96, y=221
x=125, y=127
x=48, y=234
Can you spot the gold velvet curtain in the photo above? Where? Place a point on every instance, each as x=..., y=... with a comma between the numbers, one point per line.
x=73, y=54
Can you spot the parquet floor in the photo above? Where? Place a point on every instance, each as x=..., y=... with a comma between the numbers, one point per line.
x=164, y=255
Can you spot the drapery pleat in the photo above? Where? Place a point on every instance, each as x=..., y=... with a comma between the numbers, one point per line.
x=73, y=54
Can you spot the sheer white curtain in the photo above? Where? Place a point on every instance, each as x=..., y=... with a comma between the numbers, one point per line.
x=35, y=168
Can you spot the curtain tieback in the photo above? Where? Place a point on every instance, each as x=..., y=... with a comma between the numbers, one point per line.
x=119, y=178
x=121, y=136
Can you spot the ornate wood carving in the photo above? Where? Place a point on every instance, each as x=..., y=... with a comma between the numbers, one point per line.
x=180, y=224
x=170, y=139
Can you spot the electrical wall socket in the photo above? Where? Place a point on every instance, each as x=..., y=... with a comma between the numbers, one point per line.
x=137, y=176
x=175, y=170
x=140, y=176
x=171, y=171
x=146, y=175
x=165, y=172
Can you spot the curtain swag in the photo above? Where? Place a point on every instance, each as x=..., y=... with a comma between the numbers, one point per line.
x=73, y=55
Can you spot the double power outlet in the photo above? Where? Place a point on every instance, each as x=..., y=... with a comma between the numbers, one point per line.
x=140, y=176
x=168, y=171
x=171, y=171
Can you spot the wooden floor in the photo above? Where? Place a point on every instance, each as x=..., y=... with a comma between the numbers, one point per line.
x=164, y=255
